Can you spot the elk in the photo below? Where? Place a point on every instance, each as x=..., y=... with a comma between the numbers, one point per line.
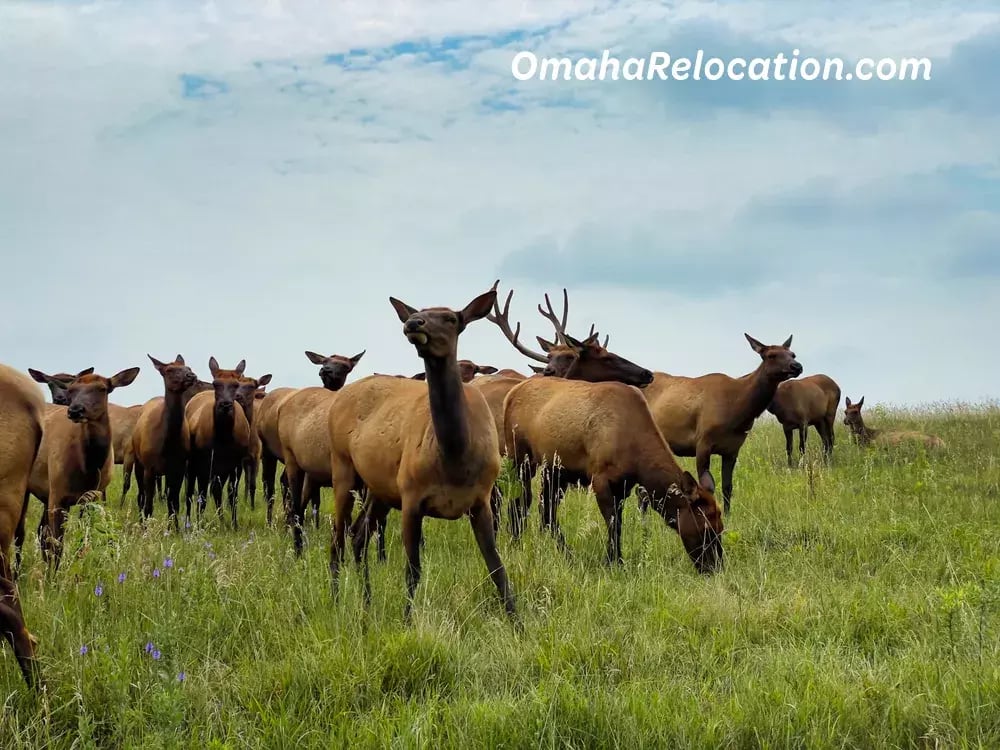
x=467, y=369
x=22, y=414
x=713, y=414
x=304, y=435
x=220, y=435
x=865, y=436
x=75, y=460
x=603, y=435
x=199, y=386
x=803, y=403
x=248, y=394
x=428, y=450
x=270, y=449
x=565, y=358
x=162, y=440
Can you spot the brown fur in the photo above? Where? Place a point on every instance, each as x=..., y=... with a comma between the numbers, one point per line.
x=75, y=460
x=713, y=414
x=603, y=435
x=467, y=370
x=22, y=412
x=270, y=452
x=865, y=436
x=425, y=449
x=803, y=403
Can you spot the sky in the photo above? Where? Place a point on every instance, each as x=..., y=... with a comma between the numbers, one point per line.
x=247, y=179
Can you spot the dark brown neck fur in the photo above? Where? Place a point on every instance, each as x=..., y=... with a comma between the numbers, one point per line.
x=448, y=410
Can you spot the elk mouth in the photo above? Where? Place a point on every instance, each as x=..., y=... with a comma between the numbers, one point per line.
x=417, y=338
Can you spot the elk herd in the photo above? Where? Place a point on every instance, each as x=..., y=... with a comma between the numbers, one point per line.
x=427, y=445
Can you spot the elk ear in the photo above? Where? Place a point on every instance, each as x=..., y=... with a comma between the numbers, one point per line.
x=486, y=369
x=861, y=402
x=157, y=363
x=259, y=393
x=41, y=377
x=241, y=367
x=546, y=346
x=847, y=401
x=179, y=359
x=316, y=359
x=123, y=378
x=419, y=376
x=480, y=307
x=213, y=366
x=707, y=481
x=754, y=343
x=357, y=357
x=788, y=341
x=403, y=310
x=264, y=380
x=536, y=369
x=88, y=371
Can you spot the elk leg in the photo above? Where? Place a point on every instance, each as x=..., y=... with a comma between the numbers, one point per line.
x=233, y=493
x=343, y=505
x=13, y=627
x=789, y=441
x=519, y=508
x=52, y=550
x=251, y=487
x=803, y=430
x=19, y=538
x=314, y=499
x=381, y=526
x=482, y=526
x=268, y=466
x=496, y=507
x=301, y=489
x=413, y=521
x=127, y=466
x=373, y=515
x=611, y=508
x=728, y=464
x=826, y=434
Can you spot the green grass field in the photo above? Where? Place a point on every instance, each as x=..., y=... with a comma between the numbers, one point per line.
x=858, y=608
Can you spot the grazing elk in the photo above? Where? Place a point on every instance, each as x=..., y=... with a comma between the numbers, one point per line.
x=304, y=434
x=220, y=435
x=603, y=435
x=427, y=450
x=713, y=414
x=162, y=440
x=864, y=435
x=75, y=460
x=565, y=358
x=803, y=403
x=199, y=386
x=22, y=413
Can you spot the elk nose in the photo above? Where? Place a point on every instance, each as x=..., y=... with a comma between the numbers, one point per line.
x=413, y=325
x=647, y=377
x=75, y=411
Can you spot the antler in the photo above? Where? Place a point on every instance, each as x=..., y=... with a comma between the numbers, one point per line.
x=501, y=318
x=594, y=334
x=559, y=325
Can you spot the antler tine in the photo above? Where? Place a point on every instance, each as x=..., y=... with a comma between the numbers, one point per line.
x=501, y=319
x=593, y=332
x=559, y=325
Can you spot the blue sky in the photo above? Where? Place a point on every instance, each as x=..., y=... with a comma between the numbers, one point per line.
x=253, y=179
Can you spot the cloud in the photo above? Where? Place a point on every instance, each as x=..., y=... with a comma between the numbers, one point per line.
x=255, y=179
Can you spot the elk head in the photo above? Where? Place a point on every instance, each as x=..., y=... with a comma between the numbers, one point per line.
x=333, y=370
x=87, y=394
x=59, y=392
x=779, y=362
x=695, y=514
x=248, y=390
x=434, y=331
x=467, y=369
x=226, y=384
x=177, y=376
x=567, y=357
x=852, y=414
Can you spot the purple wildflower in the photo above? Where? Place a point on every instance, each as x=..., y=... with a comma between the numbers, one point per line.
x=211, y=555
x=149, y=647
x=156, y=654
x=156, y=572
x=168, y=563
x=121, y=578
x=181, y=677
x=83, y=650
x=98, y=590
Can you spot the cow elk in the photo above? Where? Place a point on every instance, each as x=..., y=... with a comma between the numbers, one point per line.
x=304, y=434
x=427, y=450
x=713, y=414
x=865, y=436
x=603, y=435
x=803, y=403
x=75, y=460
x=22, y=413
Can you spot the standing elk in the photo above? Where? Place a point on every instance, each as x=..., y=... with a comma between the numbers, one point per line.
x=304, y=434
x=803, y=403
x=270, y=446
x=603, y=435
x=713, y=414
x=22, y=413
x=250, y=392
x=427, y=450
x=75, y=460
x=865, y=436
x=161, y=442
x=220, y=436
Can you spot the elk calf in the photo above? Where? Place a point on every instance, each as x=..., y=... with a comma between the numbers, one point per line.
x=22, y=412
x=426, y=450
x=75, y=460
x=803, y=403
x=865, y=435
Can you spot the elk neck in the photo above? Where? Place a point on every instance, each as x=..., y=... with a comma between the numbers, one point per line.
x=861, y=432
x=173, y=414
x=223, y=425
x=758, y=389
x=95, y=445
x=448, y=411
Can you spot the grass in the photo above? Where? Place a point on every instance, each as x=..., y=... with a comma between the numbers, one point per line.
x=858, y=608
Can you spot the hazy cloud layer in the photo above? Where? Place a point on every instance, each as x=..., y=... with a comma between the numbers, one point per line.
x=253, y=179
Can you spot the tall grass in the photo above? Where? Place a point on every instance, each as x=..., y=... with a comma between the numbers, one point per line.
x=858, y=608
